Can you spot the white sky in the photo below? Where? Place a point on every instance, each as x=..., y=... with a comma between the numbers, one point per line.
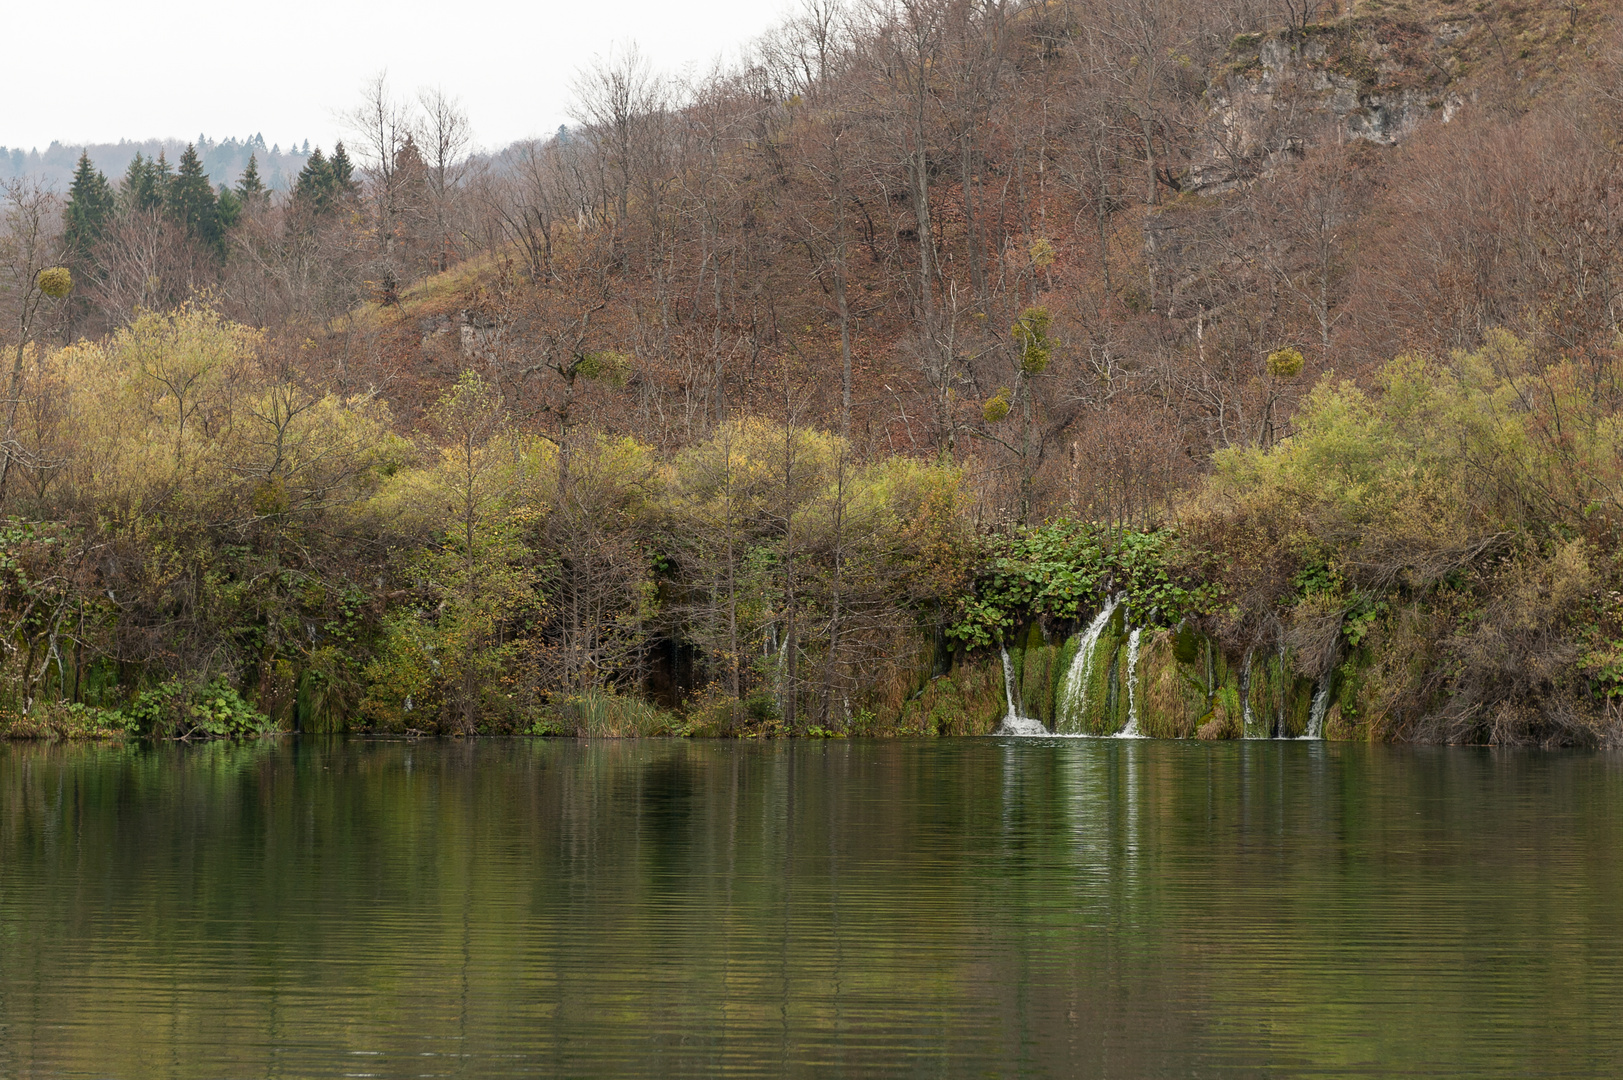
x=177, y=68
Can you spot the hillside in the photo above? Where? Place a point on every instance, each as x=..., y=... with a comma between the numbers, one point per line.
x=1344, y=188
x=795, y=398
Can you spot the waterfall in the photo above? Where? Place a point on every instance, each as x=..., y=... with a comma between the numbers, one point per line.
x=1131, y=730
x=1279, y=717
x=1321, y=705
x=1245, y=697
x=1014, y=723
x=1072, y=707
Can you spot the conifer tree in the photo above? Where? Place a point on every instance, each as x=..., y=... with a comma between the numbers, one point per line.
x=141, y=189
x=316, y=184
x=249, y=185
x=90, y=204
x=228, y=209
x=162, y=173
x=192, y=203
x=343, y=171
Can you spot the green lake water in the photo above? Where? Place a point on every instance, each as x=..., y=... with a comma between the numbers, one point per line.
x=952, y=908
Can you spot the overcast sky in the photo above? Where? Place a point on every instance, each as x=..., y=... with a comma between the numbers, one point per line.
x=102, y=71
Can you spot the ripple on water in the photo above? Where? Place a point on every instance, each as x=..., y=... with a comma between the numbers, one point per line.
x=953, y=907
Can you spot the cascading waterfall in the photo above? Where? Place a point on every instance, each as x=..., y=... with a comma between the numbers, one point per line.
x=1014, y=723
x=1131, y=730
x=1072, y=707
x=1321, y=706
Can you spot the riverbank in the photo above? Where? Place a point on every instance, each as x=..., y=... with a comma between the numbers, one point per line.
x=1438, y=558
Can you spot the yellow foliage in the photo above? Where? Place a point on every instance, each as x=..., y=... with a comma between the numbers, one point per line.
x=55, y=282
x=1285, y=363
x=176, y=410
x=996, y=407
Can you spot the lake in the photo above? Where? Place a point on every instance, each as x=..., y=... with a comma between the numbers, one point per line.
x=955, y=907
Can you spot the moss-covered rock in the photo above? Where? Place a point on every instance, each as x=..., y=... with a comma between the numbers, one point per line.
x=1171, y=695
x=968, y=700
x=1183, y=686
x=1036, y=674
x=1099, y=692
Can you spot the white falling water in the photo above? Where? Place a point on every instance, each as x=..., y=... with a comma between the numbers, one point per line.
x=1279, y=714
x=1014, y=723
x=1245, y=697
x=1321, y=705
x=1131, y=730
x=1072, y=707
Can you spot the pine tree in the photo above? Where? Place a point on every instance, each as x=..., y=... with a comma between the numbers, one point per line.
x=90, y=204
x=192, y=202
x=249, y=185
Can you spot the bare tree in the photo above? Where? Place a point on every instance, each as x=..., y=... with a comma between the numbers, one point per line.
x=27, y=245
x=613, y=100
x=383, y=127
x=443, y=139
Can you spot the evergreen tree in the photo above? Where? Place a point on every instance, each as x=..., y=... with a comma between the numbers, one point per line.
x=229, y=209
x=249, y=185
x=192, y=202
x=141, y=189
x=90, y=204
x=316, y=186
x=343, y=171
x=163, y=175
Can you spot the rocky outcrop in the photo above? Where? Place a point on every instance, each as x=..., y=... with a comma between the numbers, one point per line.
x=478, y=336
x=1371, y=79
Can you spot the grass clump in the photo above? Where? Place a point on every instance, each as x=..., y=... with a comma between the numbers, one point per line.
x=601, y=714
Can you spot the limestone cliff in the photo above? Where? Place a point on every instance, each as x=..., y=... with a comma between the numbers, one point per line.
x=1376, y=76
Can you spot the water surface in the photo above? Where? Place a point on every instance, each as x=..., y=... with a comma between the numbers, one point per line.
x=970, y=907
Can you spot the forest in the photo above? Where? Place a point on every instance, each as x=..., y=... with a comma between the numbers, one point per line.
x=837, y=391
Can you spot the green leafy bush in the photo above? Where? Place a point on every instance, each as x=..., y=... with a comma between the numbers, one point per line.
x=1064, y=570
x=174, y=710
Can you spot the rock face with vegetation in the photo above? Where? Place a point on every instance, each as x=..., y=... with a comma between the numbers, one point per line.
x=1375, y=78
x=1169, y=683
x=1223, y=370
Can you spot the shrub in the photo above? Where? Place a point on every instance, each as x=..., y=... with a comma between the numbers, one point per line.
x=173, y=710
x=1065, y=570
x=61, y=720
